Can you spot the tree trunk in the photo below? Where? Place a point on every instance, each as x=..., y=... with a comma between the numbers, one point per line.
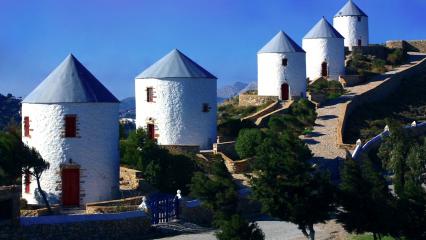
x=311, y=232
x=374, y=236
x=305, y=233
x=43, y=194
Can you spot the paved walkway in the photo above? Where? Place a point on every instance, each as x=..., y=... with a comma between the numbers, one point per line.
x=323, y=140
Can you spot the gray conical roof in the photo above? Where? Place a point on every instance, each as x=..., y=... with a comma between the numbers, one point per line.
x=350, y=9
x=281, y=43
x=175, y=65
x=323, y=29
x=70, y=82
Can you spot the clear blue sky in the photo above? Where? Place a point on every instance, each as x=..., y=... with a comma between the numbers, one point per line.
x=118, y=39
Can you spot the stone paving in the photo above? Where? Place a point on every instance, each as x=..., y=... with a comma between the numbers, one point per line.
x=323, y=140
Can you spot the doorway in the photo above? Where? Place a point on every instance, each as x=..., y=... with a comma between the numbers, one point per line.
x=324, y=69
x=71, y=187
x=359, y=43
x=284, y=91
x=151, y=130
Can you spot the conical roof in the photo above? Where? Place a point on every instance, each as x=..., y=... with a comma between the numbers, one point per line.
x=350, y=9
x=281, y=43
x=70, y=82
x=175, y=65
x=323, y=29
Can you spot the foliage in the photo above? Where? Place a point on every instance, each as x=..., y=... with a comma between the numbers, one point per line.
x=232, y=127
x=367, y=204
x=365, y=65
x=287, y=185
x=10, y=107
x=35, y=165
x=10, y=158
x=217, y=191
x=331, y=89
x=163, y=170
x=369, y=237
x=396, y=56
x=247, y=141
x=236, y=228
x=406, y=104
x=304, y=111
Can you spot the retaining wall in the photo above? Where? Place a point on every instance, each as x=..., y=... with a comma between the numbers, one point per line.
x=379, y=92
x=410, y=45
x=120, y=205
x=255, y=100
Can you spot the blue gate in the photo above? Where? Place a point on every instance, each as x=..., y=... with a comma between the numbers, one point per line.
x=163, y=207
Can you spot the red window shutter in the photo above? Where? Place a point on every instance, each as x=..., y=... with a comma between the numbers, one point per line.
x=26, y=126
x=150, y=94
x=27, y=182
x=70, y=126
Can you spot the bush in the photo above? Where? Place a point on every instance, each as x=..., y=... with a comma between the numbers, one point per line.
x=378, y=66
x=232, y=127
x=331, y=89
x=247, y=141
x=163, y=170
x=236, y=228
x=396, y=57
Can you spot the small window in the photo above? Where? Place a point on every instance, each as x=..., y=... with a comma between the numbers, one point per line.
x=359, y=18
x=70, y=126
x=206, y=107
x=27, y=181
x=150, y=94
x=284, y=62
x=27, y=126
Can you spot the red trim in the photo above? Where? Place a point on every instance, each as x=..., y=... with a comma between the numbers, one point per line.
x=27, y=126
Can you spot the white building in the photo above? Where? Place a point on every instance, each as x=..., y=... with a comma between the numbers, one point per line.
x=72, y=120
x=352, y=23
x=282, y=68
x=176, y=102
x=325, y=53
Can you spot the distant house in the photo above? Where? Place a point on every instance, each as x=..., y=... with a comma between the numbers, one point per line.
x=72, y=120
x=282, y=68
x=176, y=102
x=325, y=52
x=352, y=23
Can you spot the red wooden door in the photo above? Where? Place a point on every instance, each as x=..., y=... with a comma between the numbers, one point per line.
x=71, y=187
x=324, y=69
x=151, y=131
x=284, y=91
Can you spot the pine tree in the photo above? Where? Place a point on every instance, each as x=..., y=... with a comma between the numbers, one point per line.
x=236, y=228
x=287, y=185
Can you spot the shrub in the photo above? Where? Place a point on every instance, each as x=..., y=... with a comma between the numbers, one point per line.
x=232, y=127
x=237, y=228
x=378, y=66
x=163, y=170
x=247, y=141
x=331, y=89
x=396, y=57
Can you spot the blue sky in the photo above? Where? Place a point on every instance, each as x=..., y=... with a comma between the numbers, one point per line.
x=118, y=39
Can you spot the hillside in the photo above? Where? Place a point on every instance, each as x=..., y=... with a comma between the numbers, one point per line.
x=9, y=110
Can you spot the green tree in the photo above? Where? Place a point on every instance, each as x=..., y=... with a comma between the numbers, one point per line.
x=288, y=186
x=35, y=165
x=217, y=191
x=165, y=171
x=247, y=141
x=11, y=150
x=237, y=228
x=304, y=111
x=367, y=204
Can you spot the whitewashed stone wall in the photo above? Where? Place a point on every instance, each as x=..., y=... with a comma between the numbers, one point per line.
x=319, y=50
x=177, y=110
x=272, y=74
x=95, y=149
x=352, y=30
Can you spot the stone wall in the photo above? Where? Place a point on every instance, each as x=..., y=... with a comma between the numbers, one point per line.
x=182, y=149
x=254, y=100
x=120, y=205
x=411, y=45
x=379, y=51
x=43, y=211
x=381, y=91
x=227, y=148
x=270, y=108
x=9, y=200
x=129, y=225
x=236, y=166
x=130, y=177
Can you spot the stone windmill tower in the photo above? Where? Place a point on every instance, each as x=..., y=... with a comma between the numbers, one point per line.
x=282, y=68
x=352, y=23
x=72, y=120
x=176, y=102
x=325, y=53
